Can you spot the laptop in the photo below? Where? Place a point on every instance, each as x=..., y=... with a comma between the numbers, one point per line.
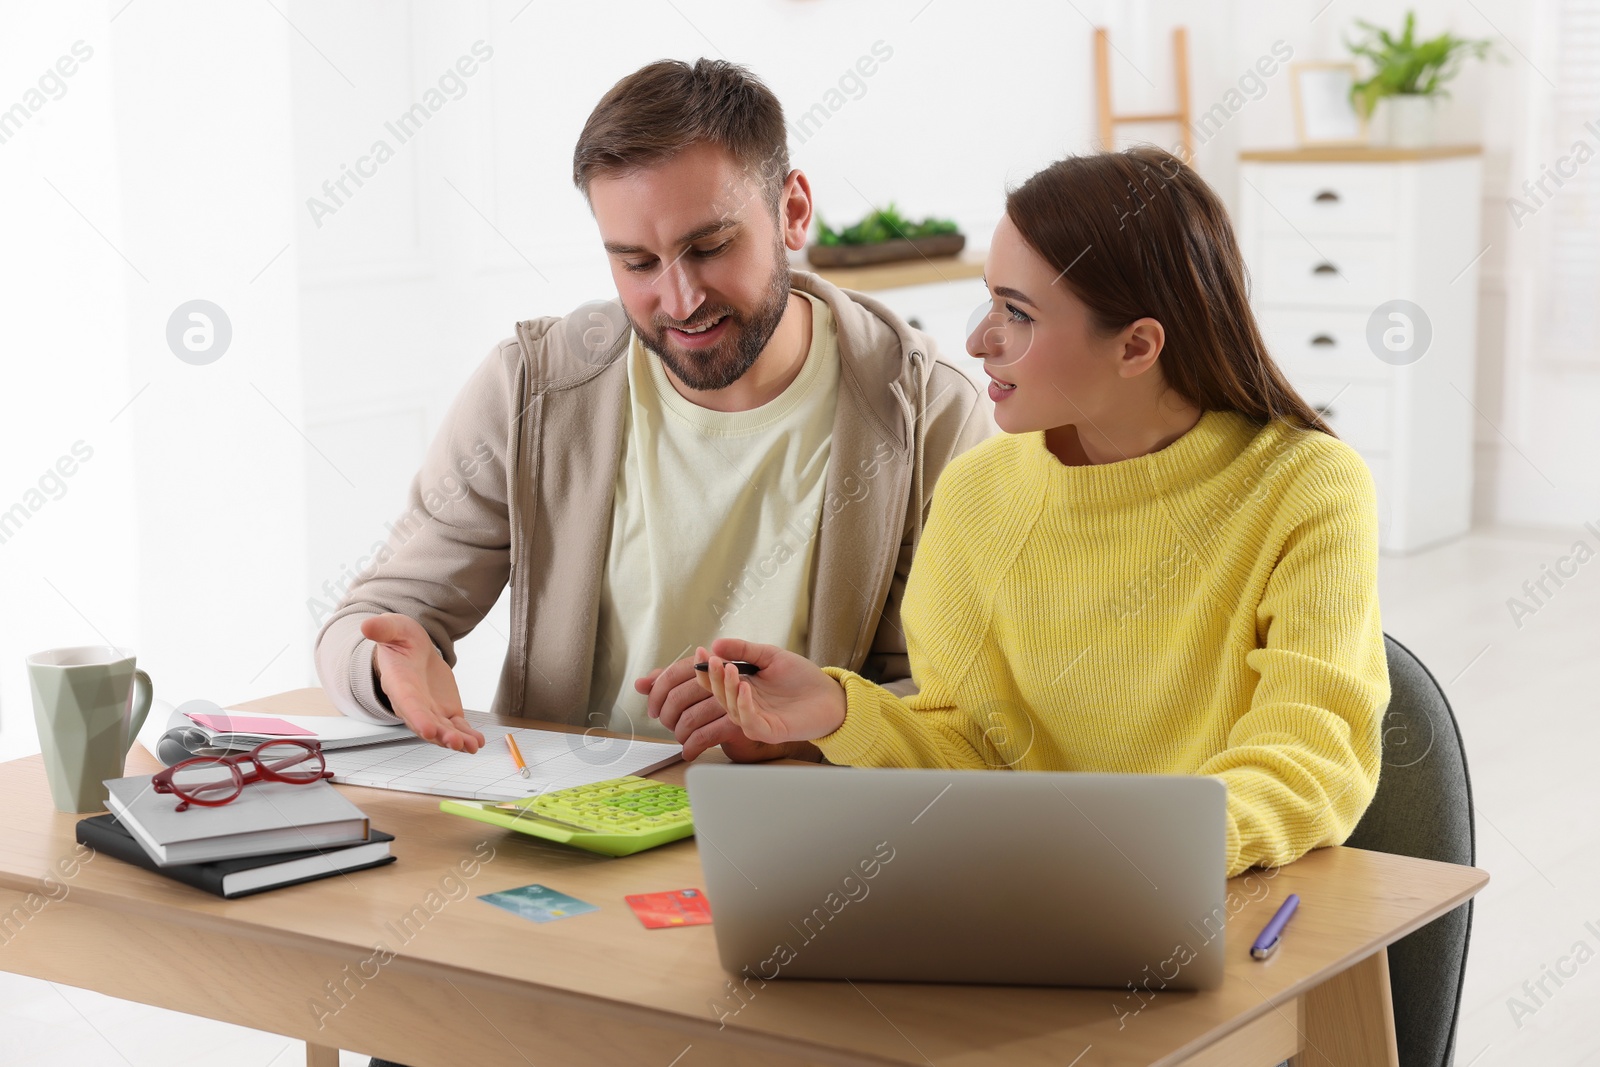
x=1011, y=877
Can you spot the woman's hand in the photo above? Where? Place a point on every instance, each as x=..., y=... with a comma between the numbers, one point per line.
x=790, y=699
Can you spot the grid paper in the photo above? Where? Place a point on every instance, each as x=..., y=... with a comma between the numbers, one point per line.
x=555, y=761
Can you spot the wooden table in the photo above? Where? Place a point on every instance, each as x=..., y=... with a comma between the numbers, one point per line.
x=401, y=961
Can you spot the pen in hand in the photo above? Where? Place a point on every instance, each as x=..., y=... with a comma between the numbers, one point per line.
x=740, y=665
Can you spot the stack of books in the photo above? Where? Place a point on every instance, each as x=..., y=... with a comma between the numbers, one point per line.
x=273, y=834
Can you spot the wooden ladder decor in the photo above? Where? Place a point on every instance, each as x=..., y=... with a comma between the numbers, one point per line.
x=1109, y=120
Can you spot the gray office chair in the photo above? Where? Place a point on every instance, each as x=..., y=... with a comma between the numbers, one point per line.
x=1423, y=808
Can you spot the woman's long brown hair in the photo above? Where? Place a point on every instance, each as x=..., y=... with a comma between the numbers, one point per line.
x=1138, y=233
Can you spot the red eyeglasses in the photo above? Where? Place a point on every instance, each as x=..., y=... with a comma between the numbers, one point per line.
x=214, y=780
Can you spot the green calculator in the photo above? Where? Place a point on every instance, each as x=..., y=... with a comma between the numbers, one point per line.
x=616, y=817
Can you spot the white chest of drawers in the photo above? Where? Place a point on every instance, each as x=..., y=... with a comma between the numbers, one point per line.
x=1331, y=235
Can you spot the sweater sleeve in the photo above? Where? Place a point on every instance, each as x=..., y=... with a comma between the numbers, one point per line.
x=1301, y=765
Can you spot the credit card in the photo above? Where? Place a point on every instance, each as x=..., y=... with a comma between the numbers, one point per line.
x=681, y=907
x=539, y=903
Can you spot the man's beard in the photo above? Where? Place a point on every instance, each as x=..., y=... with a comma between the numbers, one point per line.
x=725, y=362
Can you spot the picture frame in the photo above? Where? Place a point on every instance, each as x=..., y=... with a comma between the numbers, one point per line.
x=1323, y=111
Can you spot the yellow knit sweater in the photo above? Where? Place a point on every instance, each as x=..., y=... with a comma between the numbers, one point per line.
x=1209, y=608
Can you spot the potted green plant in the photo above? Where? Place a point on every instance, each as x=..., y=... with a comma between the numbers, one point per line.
x=884, y=236
x=1410, y=75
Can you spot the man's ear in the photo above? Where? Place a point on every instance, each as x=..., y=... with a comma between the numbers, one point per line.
x=795, y=209
x=1142, y=342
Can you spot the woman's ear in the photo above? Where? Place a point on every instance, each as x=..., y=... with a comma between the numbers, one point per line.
x=1142, y=342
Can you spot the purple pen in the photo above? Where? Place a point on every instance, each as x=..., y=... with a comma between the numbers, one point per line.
x=1267, y=943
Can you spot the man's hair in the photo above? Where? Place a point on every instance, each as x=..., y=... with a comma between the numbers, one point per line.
x=661, y=109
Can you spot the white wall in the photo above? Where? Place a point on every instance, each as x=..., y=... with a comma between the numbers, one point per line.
x=62, y=362
x=160, y=176
x=1537, y=457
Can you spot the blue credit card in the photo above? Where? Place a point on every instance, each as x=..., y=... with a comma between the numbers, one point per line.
x=539, y=903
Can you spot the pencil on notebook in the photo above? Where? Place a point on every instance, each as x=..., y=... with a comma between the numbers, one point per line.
x=516, y=754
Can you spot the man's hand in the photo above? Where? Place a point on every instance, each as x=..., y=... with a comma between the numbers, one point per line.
x=697, y=721
x=418, y=682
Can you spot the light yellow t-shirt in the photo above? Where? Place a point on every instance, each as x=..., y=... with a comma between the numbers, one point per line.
x=713, y=525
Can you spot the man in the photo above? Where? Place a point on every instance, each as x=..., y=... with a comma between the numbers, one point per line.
x=729, y=443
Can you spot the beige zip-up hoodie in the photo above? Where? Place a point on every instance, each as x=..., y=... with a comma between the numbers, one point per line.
x=517, y=487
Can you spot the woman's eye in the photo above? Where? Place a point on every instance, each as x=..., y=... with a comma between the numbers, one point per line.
x=1016, y=315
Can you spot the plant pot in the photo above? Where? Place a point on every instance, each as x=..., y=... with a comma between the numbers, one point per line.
x=1410, y=119
x=939, y=244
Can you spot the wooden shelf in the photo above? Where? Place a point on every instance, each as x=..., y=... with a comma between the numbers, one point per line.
x=969, y=264
x=1357, y=154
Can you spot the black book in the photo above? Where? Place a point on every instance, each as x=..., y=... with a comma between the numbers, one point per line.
x=245, y=874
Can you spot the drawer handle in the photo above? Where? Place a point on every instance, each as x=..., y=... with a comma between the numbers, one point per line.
x=1323, y=340
x=1324, y=268
x=1327, y=196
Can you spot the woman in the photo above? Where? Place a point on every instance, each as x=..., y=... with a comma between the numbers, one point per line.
x=1165, y=565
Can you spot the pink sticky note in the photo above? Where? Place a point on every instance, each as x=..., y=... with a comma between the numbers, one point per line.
x=252, y=725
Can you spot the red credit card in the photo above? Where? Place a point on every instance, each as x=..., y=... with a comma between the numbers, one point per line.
x=681, y=907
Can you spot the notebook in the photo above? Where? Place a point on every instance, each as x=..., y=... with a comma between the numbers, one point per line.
x=267, y=817
x=555, y=760
x=238, y=877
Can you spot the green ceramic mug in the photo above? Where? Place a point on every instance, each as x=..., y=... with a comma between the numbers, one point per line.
x=89, y=703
